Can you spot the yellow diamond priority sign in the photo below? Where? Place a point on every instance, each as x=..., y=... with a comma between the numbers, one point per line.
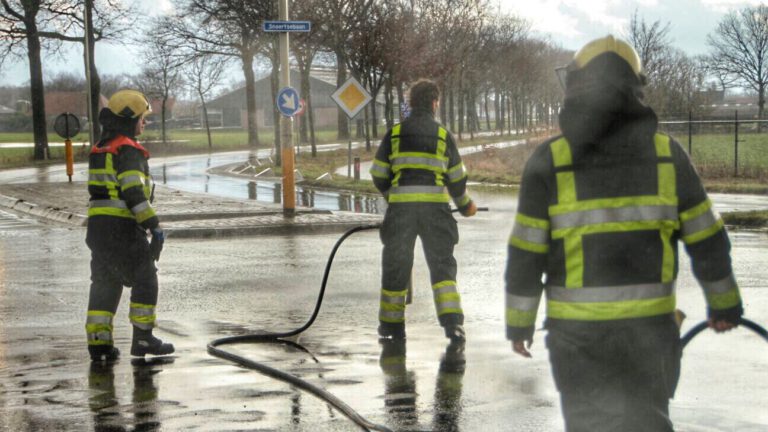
x=351, y=97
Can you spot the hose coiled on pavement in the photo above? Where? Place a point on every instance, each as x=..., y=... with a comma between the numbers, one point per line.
x=277, y=338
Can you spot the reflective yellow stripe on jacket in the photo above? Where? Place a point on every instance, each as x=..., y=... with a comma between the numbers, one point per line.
x=571, y=219
x=437, y=163
x=108, y=178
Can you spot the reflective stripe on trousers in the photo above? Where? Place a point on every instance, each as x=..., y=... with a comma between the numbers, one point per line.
x=142, y=316
x=98, y=327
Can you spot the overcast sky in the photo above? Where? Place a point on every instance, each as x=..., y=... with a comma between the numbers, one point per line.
x=569, y=23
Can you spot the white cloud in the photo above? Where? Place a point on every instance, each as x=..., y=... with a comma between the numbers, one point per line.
x=545, y=16
x=725, y=6
x=572, y=21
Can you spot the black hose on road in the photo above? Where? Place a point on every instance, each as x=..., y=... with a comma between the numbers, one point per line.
x=698, y=328
x=276, y=338
x=269, y=337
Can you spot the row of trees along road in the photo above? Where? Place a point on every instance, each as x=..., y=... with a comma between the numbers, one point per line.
x=483, y=59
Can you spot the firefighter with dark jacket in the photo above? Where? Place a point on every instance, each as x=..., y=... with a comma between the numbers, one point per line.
x=601, y=210
x=120, y=218
x=414, y=165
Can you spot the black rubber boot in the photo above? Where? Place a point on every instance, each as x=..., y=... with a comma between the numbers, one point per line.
x=144, y=343
x=391, y=330
x=103, y=353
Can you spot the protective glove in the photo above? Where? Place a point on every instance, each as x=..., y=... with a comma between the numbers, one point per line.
x=156, y=244
x=469, y=210
x=725, y=319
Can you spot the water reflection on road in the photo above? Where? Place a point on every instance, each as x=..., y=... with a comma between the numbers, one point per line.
x=192, y=174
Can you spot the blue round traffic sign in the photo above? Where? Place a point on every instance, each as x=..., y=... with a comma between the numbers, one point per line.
x=288, y=101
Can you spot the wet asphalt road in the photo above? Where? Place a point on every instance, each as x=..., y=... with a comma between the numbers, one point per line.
x=214, y=288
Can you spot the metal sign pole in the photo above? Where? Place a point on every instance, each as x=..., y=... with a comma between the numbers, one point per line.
x=286, y=123
x=349, y=149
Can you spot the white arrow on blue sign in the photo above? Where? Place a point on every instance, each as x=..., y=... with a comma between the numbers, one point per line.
x=287, y=26
x=288, y=101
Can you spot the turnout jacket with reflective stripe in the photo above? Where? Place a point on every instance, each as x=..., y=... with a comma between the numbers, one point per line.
x=600, y=235
x=119, y=182
x=417, y=160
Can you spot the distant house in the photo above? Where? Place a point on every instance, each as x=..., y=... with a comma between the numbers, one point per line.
x=6, y=112
x=229, y=110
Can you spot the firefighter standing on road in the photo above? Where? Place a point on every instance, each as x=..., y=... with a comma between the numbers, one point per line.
x=120, y=217
x=416, y=161
x=601, y=209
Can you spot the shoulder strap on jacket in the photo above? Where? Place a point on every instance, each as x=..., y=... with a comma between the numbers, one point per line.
x=113, y=146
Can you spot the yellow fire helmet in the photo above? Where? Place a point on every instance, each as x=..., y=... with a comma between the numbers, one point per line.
x=129, y=104
x=604, y=45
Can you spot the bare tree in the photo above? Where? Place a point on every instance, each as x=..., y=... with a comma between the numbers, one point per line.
x=341, y=18
x=229, y=28
x=19, y=30
x=161, y=75
x=103, y=20
x=203, y=75
x=740, y=49
x=651, y=42
x=306, y=47
x=674, y=79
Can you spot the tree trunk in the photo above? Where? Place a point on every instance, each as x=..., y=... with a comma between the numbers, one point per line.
x=461, y=104
x=499, y=102
x=487, y=114
x=760, y=106
x=205, y=120
x=374, y=120
x=274, y=83
x=305, y=92
x=36, y=89
x=341, y=78
x=95, y=80
x=452, y=109
x=311, y=116
x=389, y=109
x=162, y=119
x=250, y=98
x=367, y=129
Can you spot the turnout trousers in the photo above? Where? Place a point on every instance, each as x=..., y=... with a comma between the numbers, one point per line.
x=119, y=257
x=615, y=376
x=434, y=224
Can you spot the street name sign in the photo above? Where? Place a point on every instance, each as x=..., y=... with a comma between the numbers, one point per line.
x=351, y=97
x=287, y=26
x=288, y=101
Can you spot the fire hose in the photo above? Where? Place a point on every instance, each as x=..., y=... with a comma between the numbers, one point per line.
x=269, y=337
x=698, y=328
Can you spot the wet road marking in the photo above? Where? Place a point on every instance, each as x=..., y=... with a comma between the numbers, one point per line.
x=11, y=222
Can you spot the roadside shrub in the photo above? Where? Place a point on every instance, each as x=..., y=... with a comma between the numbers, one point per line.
x=15, y=122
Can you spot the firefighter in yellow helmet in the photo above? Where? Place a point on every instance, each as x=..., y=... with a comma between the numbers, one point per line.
x=602, y=209
x=120, y=218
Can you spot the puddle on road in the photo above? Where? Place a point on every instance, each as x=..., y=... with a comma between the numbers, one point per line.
x=192, y=175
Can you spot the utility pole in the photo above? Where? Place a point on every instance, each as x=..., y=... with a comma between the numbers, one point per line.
x=286, y=123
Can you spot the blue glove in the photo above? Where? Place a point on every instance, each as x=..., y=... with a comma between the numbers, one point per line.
x=156, y=244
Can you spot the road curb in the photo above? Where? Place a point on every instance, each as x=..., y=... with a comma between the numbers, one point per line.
x=258, y=230
x=50, y=213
